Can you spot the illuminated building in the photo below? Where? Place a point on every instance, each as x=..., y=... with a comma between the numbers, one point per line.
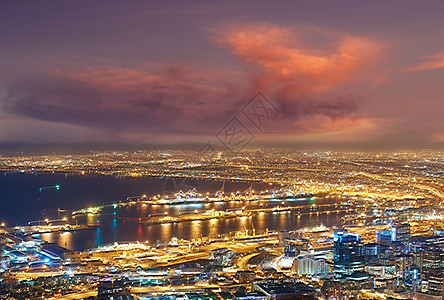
x=335, y=289
x=221, y=257
x=310, y=266
x=349, y=253
x=376, y=253
x=436, y=284
x=400, y=232
x=432, y=261
x=249, y=296
x=284, y=290
x=245, y=276
x=113, y=290
x=384, y=237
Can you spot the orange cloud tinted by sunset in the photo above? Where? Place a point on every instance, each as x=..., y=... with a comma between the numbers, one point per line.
x=432, y=62
x=282, y=55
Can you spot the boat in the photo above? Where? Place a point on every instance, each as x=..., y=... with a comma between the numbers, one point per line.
x=290, y=194
x=87, y=211
x=189, y=197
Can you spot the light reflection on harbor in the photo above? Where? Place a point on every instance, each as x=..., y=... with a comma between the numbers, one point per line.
x=65, y=239
x=121, y=222
x=98, y=237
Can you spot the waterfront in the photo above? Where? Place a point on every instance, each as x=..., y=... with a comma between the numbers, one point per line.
x=123, y=226
x=213, y=232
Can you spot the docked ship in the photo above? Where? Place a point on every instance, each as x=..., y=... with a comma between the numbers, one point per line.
x=290, y=194
x=189, y=197
x=87, y=211
x=320, y=228
x=281, y=208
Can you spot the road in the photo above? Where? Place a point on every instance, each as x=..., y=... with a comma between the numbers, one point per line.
x=79, y=295
x=157, y=289
x=244, y=260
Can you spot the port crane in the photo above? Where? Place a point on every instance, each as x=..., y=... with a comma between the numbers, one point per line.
x=221, y=192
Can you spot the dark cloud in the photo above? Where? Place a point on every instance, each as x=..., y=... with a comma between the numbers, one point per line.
x=168, y=101
x=173, y=101
x=336, y=109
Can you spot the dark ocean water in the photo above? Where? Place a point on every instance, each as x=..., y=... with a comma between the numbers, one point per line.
x=21, y=201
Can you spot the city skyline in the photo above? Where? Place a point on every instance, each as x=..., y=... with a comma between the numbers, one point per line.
x=340, y=74
x=235, y=150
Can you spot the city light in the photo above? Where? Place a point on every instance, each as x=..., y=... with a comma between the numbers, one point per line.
x=230, y=150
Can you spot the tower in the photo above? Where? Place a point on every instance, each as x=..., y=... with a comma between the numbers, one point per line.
x=349, y=253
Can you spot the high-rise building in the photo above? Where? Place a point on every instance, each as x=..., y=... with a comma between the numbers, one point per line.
x=376, y=253
x=310, y=266
x=349, y=253
x=436, y=284
x=400, y=232
x=384, y=237
x=432, y=261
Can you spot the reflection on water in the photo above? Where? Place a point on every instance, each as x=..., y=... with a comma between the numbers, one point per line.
x=21, y=204
x=122, y=223
x=65, y=239
x=114, y=229
x=165, y=231
x=98, y=237
x=140, y=233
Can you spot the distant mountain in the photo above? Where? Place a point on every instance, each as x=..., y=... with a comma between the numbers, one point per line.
x=25, y=148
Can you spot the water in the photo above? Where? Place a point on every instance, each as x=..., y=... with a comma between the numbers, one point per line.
x=21, y=202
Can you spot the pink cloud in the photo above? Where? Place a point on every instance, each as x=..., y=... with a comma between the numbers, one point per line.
x=169, y=99
x=435, y=61
x=299, y=76
x=304, y=75
x=281, y=55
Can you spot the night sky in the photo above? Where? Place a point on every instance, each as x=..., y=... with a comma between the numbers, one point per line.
x=365, y=73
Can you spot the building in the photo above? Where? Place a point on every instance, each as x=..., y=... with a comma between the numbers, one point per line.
x=384, y=237
x=293, y=242
x=249, y=296
x=400, y=232
x=221, y=257
x=432, y=261
x=281, y=290
x=377, y=253
x=336, y=289
x=113, y=290
x=310, y=265
x=292, y=248
x=192, y=296
x=380, y=272
x=436, y=284
x=245, y=276
x=349, y=253
x=404, y=263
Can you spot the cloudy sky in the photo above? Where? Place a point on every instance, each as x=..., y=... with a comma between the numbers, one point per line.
x=339, y=72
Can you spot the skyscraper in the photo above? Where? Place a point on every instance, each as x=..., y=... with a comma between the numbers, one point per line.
x=400, y=232
x=349, y=253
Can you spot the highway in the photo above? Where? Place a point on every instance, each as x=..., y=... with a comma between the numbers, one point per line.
x=78, y=295
x=245, y=259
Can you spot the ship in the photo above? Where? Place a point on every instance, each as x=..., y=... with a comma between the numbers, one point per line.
x=189, y=197
x=87, y=211
x=281, y=208
x=290, y=194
